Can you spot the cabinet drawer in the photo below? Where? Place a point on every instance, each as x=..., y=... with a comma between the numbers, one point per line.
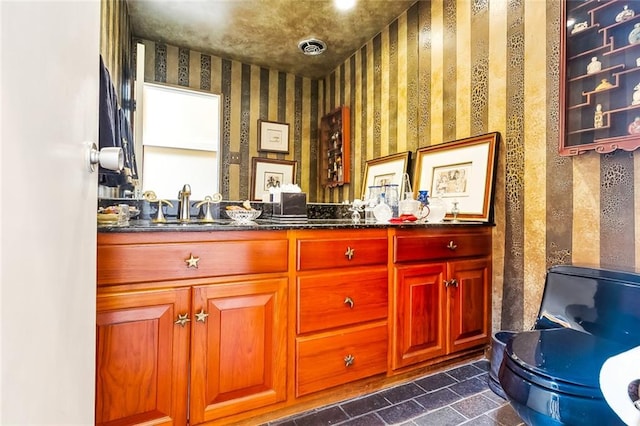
x=408, y=248
x=337, y=299
x=332, y=359
x=320, y=253
x=156, y=262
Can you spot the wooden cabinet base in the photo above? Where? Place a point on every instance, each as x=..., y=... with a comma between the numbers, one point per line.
x=247, y=327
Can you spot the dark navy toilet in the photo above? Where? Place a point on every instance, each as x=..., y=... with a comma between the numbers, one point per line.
x=550, y=374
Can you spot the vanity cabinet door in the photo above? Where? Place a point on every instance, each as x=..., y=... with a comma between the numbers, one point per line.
x=238, y=347
x=142, y=357
x=468, y=303
x=419, y=322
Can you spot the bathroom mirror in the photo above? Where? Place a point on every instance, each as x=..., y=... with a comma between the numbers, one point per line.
x=259, y=78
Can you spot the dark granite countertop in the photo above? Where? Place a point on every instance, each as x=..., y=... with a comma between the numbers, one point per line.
x=265, y=225
x=320, y=216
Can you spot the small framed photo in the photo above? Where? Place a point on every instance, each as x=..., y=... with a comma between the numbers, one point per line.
x=461, y=172
x=267, y=173
x=273, y=136
x=385, y=171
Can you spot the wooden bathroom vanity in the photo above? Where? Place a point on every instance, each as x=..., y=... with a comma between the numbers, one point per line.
x=220, y=324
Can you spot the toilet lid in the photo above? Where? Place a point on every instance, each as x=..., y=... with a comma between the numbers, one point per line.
x=564, y=359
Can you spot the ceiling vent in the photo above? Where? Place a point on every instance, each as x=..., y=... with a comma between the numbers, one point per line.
x=312, y=46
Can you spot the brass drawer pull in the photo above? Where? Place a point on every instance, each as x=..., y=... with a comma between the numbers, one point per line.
x=202, y=316
x=192, y=262
x=451, y=283
x=349, y=253
x=182, y=320
x=452, y=246
x=349, y=360
x=349, y=301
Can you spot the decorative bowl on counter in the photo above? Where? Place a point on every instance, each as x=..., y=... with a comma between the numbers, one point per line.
x=243, y=215
x=119, y=214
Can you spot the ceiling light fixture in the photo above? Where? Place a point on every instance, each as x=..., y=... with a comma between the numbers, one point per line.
x=344, y=4
x=312, y=46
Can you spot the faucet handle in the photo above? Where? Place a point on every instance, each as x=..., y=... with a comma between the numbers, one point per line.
x=216, y=198
x=160, y=217
x=150, y=196
x=208, y=200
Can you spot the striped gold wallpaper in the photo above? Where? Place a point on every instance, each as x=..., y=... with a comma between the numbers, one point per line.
x=446, y=70
x=451, y=69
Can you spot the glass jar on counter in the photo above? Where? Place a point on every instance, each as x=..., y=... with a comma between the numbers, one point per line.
x=392, y=197
x=372, y=200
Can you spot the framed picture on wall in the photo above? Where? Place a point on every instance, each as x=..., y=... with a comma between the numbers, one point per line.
x=267, y=173
x=273, y=136
x=461, y=172
x=385, y=170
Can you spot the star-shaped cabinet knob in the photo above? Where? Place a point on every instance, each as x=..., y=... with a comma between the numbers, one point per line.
x=183, y=319
x=201, y=316
x=192, y=262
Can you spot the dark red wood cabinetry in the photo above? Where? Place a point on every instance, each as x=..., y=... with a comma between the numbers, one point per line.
x=442, y=289
x=241, y=326
x=190, y=320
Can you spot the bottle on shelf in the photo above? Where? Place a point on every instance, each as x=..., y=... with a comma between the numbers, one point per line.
x=598, y=117
x=636, y=95
x=579, y=26
x=634, y=35
x=625, y=14
x=594, y=66
x=604, y=84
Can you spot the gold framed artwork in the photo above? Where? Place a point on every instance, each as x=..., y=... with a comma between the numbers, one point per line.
x=267, y=173
x=273, y=136
x=460, y=172
x=385, y=171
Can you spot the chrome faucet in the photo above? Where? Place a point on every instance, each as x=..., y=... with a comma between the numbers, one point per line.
x=184, y=209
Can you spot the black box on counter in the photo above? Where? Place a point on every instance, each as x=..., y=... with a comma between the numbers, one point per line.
x=291, y=206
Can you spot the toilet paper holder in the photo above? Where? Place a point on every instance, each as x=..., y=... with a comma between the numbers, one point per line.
x=111, y=158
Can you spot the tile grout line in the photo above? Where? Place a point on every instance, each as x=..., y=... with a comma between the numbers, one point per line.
x=461, y=371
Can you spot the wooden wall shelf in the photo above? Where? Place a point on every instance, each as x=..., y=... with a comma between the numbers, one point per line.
x=335, y=148
x=605, y=37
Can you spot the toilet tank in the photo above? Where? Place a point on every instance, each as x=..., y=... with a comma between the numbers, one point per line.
x=599, y=301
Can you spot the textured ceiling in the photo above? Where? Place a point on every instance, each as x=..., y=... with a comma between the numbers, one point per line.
x=265, y=32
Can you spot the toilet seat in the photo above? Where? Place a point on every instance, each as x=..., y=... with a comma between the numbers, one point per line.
x=572, y=362
x=551, y=377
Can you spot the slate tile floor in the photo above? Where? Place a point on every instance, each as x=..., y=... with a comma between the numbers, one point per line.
x=459, y=396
